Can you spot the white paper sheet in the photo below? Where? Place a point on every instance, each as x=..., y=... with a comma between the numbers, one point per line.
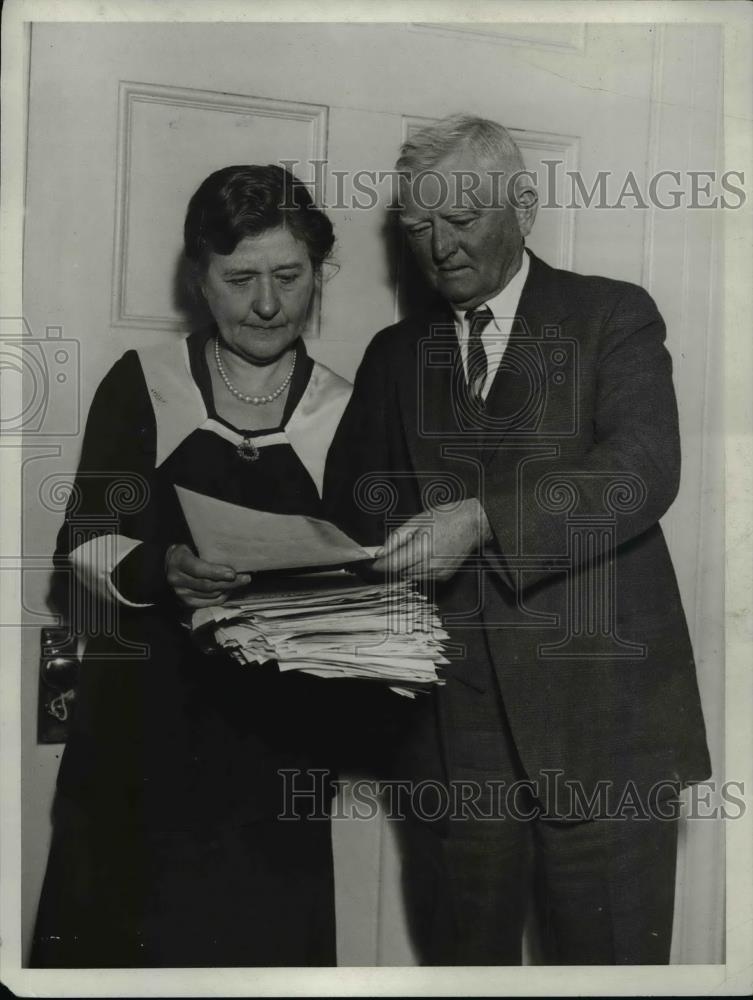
x=255, y=540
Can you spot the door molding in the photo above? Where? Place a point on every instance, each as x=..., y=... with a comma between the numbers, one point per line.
x=133, y=99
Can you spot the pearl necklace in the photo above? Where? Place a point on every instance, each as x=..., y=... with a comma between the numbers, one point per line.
x=254, y=400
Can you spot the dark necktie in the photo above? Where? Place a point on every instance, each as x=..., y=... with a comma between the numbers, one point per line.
x=478, y=320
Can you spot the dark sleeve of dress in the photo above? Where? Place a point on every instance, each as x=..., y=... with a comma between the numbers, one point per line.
x=109, y=546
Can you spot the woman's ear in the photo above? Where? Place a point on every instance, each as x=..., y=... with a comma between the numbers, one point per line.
x=188, y=292
x=197, y=278
x=325, y=272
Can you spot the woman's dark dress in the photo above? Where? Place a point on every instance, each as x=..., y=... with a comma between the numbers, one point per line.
x=167, y=849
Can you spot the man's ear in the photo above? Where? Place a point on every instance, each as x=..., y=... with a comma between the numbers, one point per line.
x=525, y=202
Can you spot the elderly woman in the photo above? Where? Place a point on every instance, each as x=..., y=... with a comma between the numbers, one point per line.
x=167, y=847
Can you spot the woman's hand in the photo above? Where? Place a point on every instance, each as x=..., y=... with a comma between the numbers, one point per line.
x=197, y=583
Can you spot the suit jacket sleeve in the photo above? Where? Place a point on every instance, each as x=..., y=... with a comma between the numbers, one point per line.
x=360, y=447
x=635, y=448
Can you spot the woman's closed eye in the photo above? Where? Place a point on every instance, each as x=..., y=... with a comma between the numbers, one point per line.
x=286, y=278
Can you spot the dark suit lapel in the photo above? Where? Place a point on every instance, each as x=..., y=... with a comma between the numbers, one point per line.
x=432, y=384
x=517, y=400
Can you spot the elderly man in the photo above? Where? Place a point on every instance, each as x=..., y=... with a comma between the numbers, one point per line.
x=513, y=445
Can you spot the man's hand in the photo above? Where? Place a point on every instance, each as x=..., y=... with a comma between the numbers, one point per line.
x=200, y=584
x=435, y=543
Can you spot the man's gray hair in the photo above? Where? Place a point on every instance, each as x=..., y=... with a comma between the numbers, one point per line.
x=490, y=141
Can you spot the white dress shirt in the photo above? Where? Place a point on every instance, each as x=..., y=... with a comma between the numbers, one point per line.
x=497, y=333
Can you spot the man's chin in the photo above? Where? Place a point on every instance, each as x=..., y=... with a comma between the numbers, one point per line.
x=462, y=299
x=456, y=290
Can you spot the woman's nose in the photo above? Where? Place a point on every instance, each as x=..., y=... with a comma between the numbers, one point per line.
x=266, y=302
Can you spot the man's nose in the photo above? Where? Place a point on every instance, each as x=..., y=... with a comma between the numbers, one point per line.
x=443, y=242
x=266, y=302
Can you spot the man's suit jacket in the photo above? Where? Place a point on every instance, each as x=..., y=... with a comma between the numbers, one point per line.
x=575, y=459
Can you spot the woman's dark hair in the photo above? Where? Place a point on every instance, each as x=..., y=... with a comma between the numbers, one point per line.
x=236, y=202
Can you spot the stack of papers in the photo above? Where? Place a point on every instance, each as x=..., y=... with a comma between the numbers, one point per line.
x=333, y=625
x=330, y=624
